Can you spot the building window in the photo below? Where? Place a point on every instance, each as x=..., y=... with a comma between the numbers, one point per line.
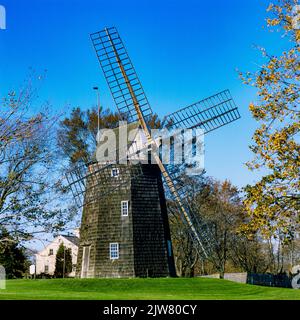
x=115, y=172
x=114, y=251
x=124, y=208
x=50, y=252
x=46, y=269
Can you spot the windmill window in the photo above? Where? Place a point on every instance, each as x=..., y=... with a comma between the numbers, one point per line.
x=46, y=269
x=124, y=208
x=115, y=172
x=50, y=252
x=114, y=251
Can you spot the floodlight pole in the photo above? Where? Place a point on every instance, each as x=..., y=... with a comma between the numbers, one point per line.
x=98, y=106
x=64, y=265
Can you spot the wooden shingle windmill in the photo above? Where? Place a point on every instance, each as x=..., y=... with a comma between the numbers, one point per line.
x=125, y=230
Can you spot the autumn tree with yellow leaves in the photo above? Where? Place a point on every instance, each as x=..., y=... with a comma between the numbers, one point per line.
x=273, y=203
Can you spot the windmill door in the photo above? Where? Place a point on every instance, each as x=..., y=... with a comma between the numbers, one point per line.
x=85, y=261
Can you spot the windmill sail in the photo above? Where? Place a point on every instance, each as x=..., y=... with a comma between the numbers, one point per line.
x=205, y=246
x=208, y=114
x=120, y=75
x=200, y=231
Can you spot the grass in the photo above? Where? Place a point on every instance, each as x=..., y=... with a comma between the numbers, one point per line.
x=142, y=289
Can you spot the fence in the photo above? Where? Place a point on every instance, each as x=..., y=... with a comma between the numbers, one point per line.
x=271, y=280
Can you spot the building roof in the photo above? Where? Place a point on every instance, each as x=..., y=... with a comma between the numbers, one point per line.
x=73, y=239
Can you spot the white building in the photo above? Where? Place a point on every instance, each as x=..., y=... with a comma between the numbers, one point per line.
x=45, y=259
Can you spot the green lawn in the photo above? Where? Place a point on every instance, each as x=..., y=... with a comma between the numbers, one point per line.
x=144, y=289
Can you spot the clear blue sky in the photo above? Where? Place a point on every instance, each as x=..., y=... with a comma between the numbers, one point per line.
x=183, y=51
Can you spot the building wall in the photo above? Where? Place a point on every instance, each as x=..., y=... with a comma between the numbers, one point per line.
x=43, y=258
x=240, y=277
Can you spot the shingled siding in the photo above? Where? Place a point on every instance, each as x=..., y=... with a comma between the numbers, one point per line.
x=150, y=226
x=142, y=235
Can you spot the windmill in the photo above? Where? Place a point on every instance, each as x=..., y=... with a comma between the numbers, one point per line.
x=111, y=246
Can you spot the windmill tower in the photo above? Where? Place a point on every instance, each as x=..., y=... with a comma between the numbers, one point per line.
x=125, y=230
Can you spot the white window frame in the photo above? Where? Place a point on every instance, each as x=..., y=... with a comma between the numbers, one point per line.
x=123, y=213
x=113, y=174
x=114, y=250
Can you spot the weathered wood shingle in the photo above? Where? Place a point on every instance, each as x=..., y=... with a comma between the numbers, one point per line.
x=143, y=235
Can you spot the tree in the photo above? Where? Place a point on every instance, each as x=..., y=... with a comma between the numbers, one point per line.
x=291, y=254
x=221, y=211
x=250, y=255
x=12, y=257
x=77, y=133
x=28, y=198
x=63, y=262
x=220, y=207
x=185, y=254
x=273, y=203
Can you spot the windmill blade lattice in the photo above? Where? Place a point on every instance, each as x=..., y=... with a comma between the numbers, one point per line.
x=197, y=229
x=208, y=114
x=120, y=75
